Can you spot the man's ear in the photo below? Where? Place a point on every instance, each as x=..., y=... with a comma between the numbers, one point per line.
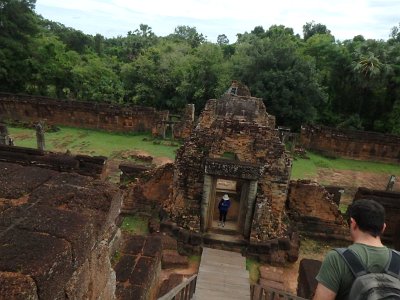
x=353, y=223
x=383, y=228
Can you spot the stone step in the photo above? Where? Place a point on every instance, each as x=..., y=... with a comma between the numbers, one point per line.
x=222, y=275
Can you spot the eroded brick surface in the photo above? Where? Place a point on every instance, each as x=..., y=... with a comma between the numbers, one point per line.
x=54, y=230
x=139, y=267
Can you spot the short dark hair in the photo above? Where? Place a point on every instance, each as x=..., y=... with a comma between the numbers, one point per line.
x=369, y=216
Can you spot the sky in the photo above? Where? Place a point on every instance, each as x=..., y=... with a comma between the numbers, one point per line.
x=344, y=18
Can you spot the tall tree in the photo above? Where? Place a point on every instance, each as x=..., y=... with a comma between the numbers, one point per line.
x=18, y=25
x=312, y=28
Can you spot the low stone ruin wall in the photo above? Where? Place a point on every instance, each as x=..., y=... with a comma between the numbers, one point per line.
x=351, y=144
x=391, y=203
x=275, y=251
x=56, y=234
x=94, y=115
x=313, y=210
x=81, y=164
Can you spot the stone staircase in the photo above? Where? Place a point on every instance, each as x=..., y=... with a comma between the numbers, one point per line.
x=222, y=275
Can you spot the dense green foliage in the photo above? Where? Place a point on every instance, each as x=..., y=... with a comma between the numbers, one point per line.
x=315, y=79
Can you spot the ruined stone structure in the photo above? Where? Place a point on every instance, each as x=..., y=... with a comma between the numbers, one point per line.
x=81, y=114
x=40, y=136
x=314, y=210
x=391, y=203
x=184, y=127
x=233, y=149
x=4, y=137
x=82, y=164
x=351, y=143
x=56, y=234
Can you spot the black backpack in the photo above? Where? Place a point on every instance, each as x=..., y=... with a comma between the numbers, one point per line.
x=373, y=286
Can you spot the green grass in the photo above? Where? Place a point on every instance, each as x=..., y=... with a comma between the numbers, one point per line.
x=135, y=225
x=306, y=168
x=253, y=267
x=93, y=142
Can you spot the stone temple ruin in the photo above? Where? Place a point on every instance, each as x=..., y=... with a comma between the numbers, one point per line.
x=59, y=220
x=233, y=149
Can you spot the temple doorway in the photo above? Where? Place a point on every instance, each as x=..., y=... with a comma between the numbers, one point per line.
x=237, y=190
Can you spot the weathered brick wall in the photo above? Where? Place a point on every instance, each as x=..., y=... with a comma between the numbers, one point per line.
x=352, y=144
x=313, y=209
x=183, y=129
x=151, y=190
x=55, y=234
x=391, y=203
x=95, y=115
x=81, y=164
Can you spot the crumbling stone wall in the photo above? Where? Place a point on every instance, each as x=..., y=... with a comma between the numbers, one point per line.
x=56, y=231
x=95, y=115
x=238, y=125
x=391, y=203
x=151, y=190
x=184, y=127
x=312, y=207
x=351, y=143
x=82, y=164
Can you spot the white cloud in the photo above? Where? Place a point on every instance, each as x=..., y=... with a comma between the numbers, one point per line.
x=344, y=18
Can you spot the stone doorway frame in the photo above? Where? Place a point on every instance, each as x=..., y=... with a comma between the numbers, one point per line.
x=220, y=168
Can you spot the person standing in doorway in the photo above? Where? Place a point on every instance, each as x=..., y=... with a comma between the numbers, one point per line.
x=223, y=207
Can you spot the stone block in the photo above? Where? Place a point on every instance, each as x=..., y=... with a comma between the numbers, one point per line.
x=152, y=246
x=128, y=292
x=284, y=243
x=183, y=236
x=168, y=284
x=133, y=244
x=272, y=284
x=306, y=282
x=43, y=257
x=173, y=260
x=196, y=239
x=124, y=267
x=17, y=286
x=142, y=273
x=169, y=243
x=271, y=273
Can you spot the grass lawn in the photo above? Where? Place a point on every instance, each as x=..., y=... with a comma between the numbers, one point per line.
x=135, y=225
x=253, y=267
x=306, y=168
x=92, y=142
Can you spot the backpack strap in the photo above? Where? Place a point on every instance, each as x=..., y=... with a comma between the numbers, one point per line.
x=352, y=261
x=393, y=266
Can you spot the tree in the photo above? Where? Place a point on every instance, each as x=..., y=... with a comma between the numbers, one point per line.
x=98, y=44
x=18, y=26
x=275, y=70
x=94, y=79
x=188, y=34
x=312, y=28
x=222, y=39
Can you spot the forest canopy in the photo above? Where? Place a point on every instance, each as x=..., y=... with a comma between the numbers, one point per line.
x=314, y=79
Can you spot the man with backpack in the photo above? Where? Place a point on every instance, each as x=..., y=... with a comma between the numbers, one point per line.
x=365, y=270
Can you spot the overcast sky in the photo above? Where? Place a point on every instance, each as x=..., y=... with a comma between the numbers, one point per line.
x=345, y=18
